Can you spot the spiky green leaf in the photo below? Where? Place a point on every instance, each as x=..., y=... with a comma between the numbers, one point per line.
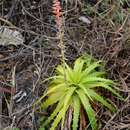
x=99, y=98
x=90, y=112
x=76, y=106
x=62, y=112
x=55, y=112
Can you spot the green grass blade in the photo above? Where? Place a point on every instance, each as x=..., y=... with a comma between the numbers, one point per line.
x=52, y=99
x=88, y=59
x=41, y=128
x=62, y=112
x=112, y=90
x=90, y=112
x=47, y=79
x=96, y=84
x=69, y=74
x=108, y=87
x=97, y=74
x=95, y=79
x=63, y=119
x=60, y=115
x=49, y=91
x=60, y=70
x=78, y=66
x=58, y=80
x=85, y=91
x=101, y=100
x=67, y=99
x=91, y=68
x=55, y=112
x=76, y=113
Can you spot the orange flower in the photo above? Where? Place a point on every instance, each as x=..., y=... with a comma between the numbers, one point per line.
x=57, y=12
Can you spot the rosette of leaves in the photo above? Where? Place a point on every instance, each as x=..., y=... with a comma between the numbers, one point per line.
x=76, y=87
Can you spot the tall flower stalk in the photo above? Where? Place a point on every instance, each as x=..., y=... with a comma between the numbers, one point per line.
x=59, y=23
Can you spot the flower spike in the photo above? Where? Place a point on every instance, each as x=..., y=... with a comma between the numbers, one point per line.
x=57, y=12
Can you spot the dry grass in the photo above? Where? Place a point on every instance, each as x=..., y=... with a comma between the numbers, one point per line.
x=107, y=38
